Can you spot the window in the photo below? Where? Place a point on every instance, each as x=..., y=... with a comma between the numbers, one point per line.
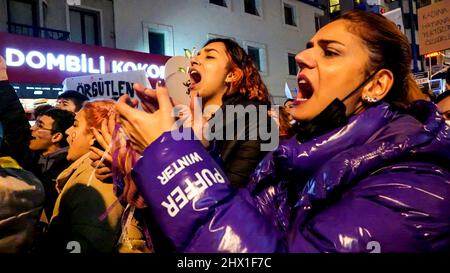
x=254, y=54
x=432, y=60
x=415, y=21
x=293, y=68
x=23, y=12
x=335, y=7
x=317, y=21
x=257, y=52
x=407, y=21
x=218, y=2
x=289, y=15
x=84, y=27
x=251, y=7
x=158, y=38
x=156, y=43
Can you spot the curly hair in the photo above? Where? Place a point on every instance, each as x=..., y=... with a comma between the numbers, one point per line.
x=248, y=81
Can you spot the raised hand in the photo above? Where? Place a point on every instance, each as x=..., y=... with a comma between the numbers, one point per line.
x=149, y=101
x=142, y=127
x=148, y=98
x=103, y=137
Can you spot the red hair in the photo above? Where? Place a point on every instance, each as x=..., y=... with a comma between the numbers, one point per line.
x=122, y=152
x=96, y=111
x=248, y=81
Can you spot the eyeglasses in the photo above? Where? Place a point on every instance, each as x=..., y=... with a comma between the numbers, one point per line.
x=39, y=125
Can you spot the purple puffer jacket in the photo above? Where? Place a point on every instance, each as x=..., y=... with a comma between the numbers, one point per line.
x=381, y=183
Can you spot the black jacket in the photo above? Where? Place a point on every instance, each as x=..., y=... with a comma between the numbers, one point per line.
x=49, y=167
x=238, y=156
x=21, y=199
x=15, y=127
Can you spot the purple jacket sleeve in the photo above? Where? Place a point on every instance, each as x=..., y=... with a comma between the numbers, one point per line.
x=188, y=195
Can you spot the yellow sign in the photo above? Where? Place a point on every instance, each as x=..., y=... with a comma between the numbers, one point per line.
x=434, y=54
x=434, y=27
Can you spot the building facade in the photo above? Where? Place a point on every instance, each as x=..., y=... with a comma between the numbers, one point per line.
x=82, y=21
x=272, y=31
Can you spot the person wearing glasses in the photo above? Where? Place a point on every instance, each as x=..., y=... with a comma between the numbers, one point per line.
x=49, y=141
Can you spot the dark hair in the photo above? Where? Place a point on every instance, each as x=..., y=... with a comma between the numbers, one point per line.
x=442, y=96
x=76, y=97
x=249, y=82
x=288, y=100
x=388, y=48
x=285, y=126
x=41, y=109
x=62, y=120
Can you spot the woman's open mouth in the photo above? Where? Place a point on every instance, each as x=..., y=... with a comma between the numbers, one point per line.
x=305, y=90
x=195, y=77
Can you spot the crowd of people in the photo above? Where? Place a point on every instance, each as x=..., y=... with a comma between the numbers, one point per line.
x=362, y=156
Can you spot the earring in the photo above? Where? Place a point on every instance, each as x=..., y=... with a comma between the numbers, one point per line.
x=369, y=99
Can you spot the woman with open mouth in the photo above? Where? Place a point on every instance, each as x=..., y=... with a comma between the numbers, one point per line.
x=222, y=74
x=366, y=172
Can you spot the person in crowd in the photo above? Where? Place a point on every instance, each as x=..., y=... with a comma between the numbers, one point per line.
x=71, y=100
x=14, y=121
x=287, y=107
x=49, y=141
x=443, y=104
x=135, y=236
x=285, y=125
x=86, y=216
x=366, y=171
x=21, y=200
x=41, y=109
x=238, y=83
x=222, y=74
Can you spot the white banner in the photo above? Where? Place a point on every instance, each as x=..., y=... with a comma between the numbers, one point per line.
x=373, y=2
x=434, y=27
x=395, y=16
x=110, y=85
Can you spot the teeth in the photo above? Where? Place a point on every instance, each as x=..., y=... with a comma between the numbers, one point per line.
x=302, y=81
x=301, y=99
x=193, y=72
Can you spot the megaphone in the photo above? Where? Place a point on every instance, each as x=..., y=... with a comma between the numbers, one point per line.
x=176, y=77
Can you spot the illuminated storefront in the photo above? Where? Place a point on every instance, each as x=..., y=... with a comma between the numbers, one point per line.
x=37, y=67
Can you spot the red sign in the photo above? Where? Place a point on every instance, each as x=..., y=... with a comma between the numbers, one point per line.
x=36, y=60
